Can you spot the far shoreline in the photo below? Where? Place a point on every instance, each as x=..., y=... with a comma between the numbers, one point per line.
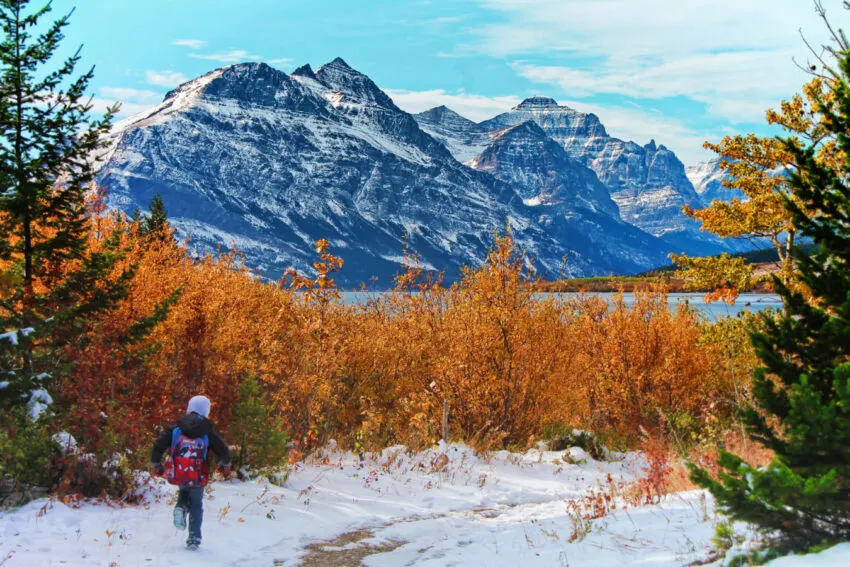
x=625, y=284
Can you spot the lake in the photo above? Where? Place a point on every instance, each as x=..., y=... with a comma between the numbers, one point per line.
x=751, y=302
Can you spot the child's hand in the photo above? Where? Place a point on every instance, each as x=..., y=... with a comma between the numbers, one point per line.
x=158, y=469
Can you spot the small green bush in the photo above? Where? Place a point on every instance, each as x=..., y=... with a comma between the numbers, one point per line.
x=259, y=432
x=27, y=453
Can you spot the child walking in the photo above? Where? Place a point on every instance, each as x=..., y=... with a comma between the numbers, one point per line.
x=189, y=442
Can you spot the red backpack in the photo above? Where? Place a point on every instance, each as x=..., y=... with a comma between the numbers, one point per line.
x=188, y=465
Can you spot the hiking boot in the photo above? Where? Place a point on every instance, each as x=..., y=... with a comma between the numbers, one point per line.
x=180, y=518
x=193, y=544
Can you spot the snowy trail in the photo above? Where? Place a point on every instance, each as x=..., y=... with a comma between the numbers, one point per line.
x=441, y=507
x=368, y=543
x=529, y=533
x=539, y=533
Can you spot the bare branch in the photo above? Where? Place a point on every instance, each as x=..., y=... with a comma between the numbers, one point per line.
x=838, y=36
x=809, y=69
x=812, y=69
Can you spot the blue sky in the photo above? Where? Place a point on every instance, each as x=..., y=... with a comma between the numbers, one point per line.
x=678, y=71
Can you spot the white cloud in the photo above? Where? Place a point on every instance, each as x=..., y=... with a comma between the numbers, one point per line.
x=190, y=43
x=232, y=56
x=733, y=55
x=99, y=106
x=474, y=107
x=280, y=61
x=169, y=79
x=135, y=95
x=732, y=85
x=132, y=101
x=446, y=20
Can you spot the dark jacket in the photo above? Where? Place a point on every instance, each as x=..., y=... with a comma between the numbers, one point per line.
x=194, y=426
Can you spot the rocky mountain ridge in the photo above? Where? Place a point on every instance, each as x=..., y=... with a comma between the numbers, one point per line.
x=648, y=183
x=250, y=157
x=707, y=178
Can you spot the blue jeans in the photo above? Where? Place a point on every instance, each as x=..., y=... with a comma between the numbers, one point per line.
x=191, y=500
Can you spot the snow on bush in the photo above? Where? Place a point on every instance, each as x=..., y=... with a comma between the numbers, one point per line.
x=40, y=401
x=66, y=442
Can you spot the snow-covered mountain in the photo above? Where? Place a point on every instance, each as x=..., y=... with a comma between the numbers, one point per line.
x=542, y=171
x=251, y=157
x=648, y=183
x=567, y=196
x=464, y=138
x=707, y=178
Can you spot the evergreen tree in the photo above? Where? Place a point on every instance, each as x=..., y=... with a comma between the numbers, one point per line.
x=259, y=431
x=135, y=215
x=156, y=223
x=49, y=281
x=802, y=390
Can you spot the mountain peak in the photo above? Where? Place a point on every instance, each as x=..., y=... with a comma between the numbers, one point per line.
x=442, y=113
x=537, y=103
x=339, y=62
x=354, y=85
x=339, y=68
x=256, y=83
x=304, y=71
x=527, y=128
x=229, y=75
x=438, y=111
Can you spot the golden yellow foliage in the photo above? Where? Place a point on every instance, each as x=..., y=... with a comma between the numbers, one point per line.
x=759, y=167
x=506, y=362
x=723, y=275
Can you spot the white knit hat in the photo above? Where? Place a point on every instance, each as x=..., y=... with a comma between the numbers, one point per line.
x=199, y=405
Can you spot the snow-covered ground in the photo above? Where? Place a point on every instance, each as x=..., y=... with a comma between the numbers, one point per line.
x=438, y=508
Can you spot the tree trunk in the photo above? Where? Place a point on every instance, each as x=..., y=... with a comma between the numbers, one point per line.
x=446, y=420
x=26, y=311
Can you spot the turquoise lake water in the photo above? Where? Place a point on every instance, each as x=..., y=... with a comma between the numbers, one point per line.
x=751, y=302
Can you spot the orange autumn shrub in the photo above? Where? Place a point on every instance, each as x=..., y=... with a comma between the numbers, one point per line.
x=215, y=332
x=505, y=363
x=394, y=350
x=503, y=350
x=641, y=363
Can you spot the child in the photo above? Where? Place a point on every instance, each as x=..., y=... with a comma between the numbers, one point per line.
x=189, y=441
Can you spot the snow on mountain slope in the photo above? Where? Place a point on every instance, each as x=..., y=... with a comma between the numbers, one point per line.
x=462, y=137
x=567, y=196
x=271, y=162
x=580, y=134
x=541, y=170
x=707, y=179
x=648, y=183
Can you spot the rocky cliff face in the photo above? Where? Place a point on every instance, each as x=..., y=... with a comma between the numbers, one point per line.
x=462, y=137
x=252, y=158
x=707, y=179
x=541, y=170
x=648, y=183
x=582, y=135
x=568, y=197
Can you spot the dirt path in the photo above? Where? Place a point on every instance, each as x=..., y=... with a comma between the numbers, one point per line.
x=347, y=550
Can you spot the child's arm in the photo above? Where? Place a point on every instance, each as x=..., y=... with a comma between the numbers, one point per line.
x=221, y=450
x=162, y=444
